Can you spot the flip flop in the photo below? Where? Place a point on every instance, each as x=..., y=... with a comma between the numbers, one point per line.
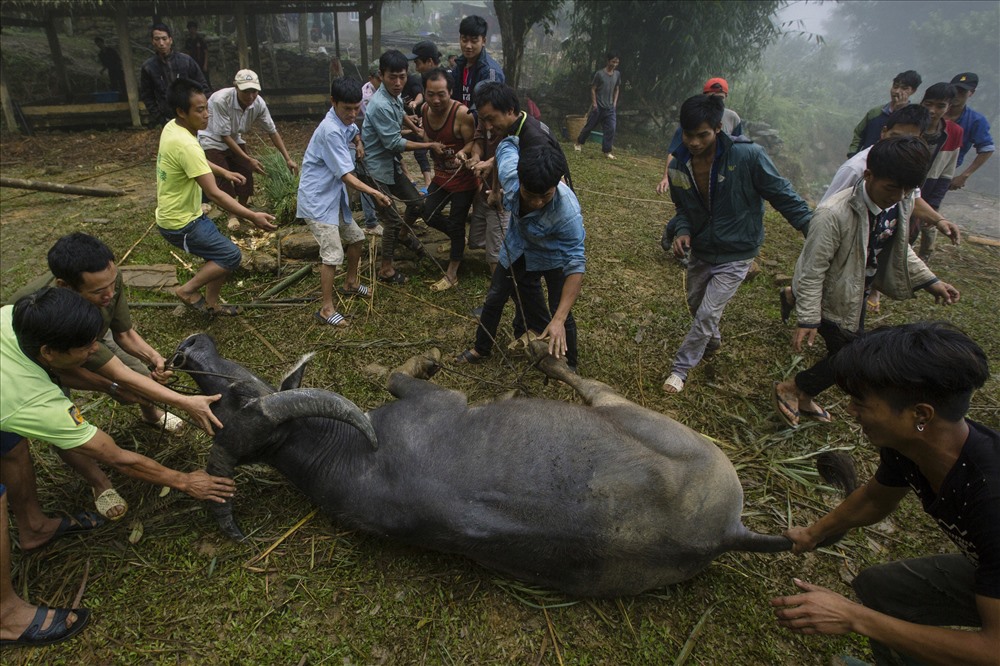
x=821, y=415
x=81, y=522
x=788, y=415
x=336, y=319
x=35, y=636
x=396, y=278
x=108, y=500
x=470, y=356
x=361, y=290
x=443, y=284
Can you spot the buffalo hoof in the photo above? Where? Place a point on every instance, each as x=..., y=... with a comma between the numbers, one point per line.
x=421, y=366
x=556, y=368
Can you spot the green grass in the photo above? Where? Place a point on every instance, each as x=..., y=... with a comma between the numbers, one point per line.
x=184, y=594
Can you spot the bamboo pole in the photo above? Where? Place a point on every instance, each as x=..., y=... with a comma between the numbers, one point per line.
x=22, y=184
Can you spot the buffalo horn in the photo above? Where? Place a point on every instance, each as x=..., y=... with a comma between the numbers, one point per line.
x=302, y=403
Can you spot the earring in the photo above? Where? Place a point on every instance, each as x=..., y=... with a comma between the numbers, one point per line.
x=920, y=427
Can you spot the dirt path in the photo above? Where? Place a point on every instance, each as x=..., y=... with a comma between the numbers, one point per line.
x=977, y=214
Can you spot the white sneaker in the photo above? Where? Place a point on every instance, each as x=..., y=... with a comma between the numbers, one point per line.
x=610, y=156
x=374, y=231
x=577, y=147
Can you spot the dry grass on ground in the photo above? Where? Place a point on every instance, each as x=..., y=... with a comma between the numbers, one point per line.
x=183, y=594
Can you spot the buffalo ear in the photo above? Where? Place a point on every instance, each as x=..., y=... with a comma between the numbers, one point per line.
x=293, y=378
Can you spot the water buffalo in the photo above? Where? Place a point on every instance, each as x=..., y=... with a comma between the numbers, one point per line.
x=602, y=499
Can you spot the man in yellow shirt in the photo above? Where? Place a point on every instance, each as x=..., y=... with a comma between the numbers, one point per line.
x=182, y=173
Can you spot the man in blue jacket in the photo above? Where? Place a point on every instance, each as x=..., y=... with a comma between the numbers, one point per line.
x=475, y=64
x=719, y=184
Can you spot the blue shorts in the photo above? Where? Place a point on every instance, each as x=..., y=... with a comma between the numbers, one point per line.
x=8, y=440
x=203, y=239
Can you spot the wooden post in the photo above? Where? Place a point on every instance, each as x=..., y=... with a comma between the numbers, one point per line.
x=363, y=41
x=303, y=33
x=270, y=21
x=57, y=56
x=125, y=50
x=254, y=43
x=241, y=36
x=336, y=33
x=8, y=107
x=377, y=30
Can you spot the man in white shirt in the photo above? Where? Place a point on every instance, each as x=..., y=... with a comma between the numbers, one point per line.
x=231, y=114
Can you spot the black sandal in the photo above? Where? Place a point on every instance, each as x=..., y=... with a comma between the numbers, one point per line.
x=470, y=356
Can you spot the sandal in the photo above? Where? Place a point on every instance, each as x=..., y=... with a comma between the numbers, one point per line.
x=336, y=319
x=396, y=278
x=199, y=306
x=360, y=290
x=35, y=636
x=108, y=500
x=444, y=284
x=789, y=415
x=170, y=423
x=226, y=310
x=674, y=383
x=81, y=522
x=820, y=415
x=470, y=356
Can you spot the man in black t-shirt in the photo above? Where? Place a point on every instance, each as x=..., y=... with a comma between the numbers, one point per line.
x=910, y=389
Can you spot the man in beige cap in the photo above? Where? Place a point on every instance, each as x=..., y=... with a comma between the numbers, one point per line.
x=231, y=113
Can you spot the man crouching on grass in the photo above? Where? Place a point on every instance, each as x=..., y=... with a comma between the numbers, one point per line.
x=182, y=173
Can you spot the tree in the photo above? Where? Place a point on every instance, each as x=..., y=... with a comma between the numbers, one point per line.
x=668, y=49
x=516, y=18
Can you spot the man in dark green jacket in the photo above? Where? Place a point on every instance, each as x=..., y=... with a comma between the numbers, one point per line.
x=719, y=184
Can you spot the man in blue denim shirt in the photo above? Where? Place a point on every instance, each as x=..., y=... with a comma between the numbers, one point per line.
x=544, y=239
x=383, y=146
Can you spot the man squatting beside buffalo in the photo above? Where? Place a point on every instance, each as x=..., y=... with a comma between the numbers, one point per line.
x=231, y=114
x=182, y=174
x=383, y=148
x=545, y=238
x=450, y=123
x=43, y=336
x=160, y=70
x=719, y=184
x=910, y=388
x=327, y=170
x=857, y=241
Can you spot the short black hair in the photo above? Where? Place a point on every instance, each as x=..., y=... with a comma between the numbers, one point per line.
x=179, y=93
x=58, y=318
x=162, y=27
x=902, y=159
x=473, y=26
x=346, y=90
x=393, y=60
x=612, y=55
x=930, y=362
x=440, y=73
x=911, y=114
x=909, y=78
x=940, y=91
x=540, y=167
x=701, y=109
x=192, y=24
x=498, y=95
x=78, y=253
x=99, y=41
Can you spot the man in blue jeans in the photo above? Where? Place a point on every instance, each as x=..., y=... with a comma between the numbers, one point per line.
x=182, y=174
x=603, y=105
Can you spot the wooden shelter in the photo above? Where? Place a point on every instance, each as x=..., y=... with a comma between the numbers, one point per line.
x=45, y=13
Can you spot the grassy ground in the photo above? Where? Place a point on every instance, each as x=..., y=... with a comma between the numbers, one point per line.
x=182, y=594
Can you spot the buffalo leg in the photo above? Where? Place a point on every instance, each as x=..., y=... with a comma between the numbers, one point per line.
x=421, y=366
x=593, y=392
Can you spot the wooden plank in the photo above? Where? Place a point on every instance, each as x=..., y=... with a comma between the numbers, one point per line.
x=377, y=29
x=241, y=36
x=125, y=50
x=981, y=240
x=363, y=41
x=254, y=44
